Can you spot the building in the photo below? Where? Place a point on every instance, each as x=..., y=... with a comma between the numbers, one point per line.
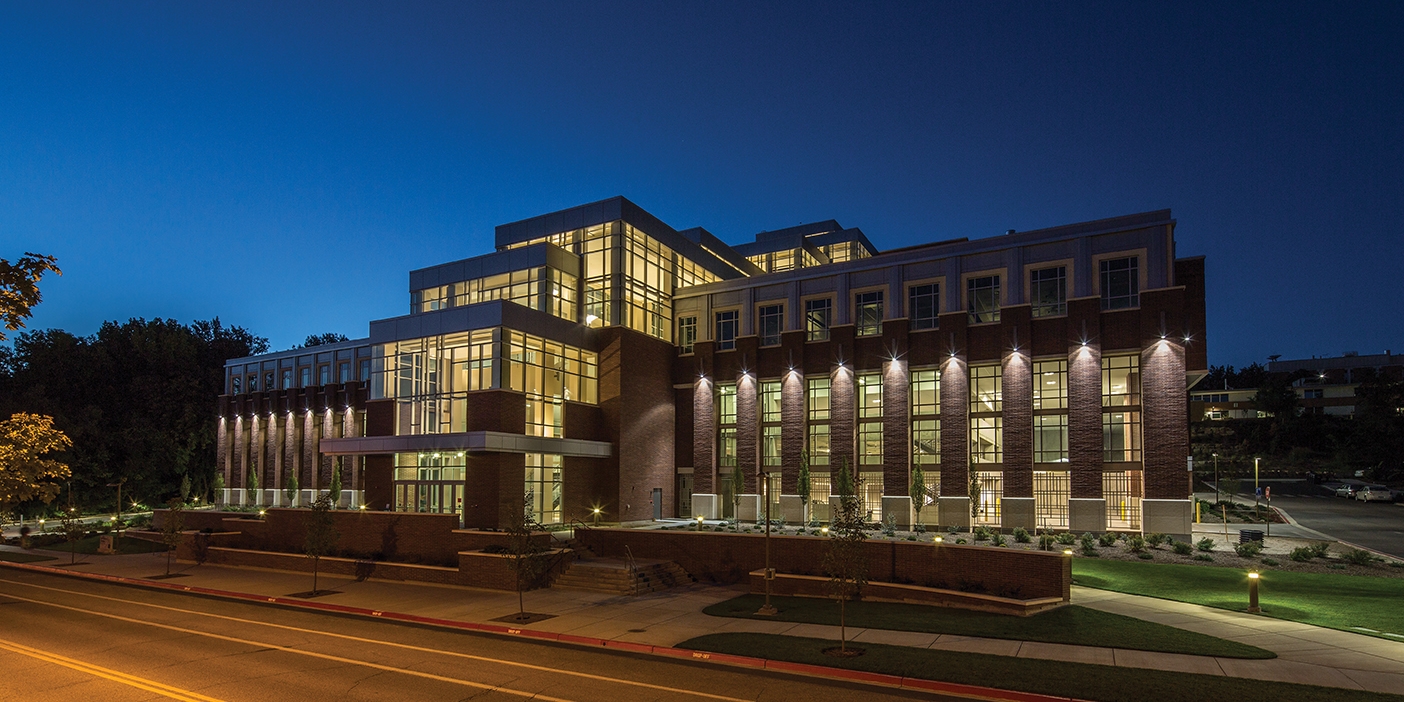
x=602, y=363
x=1326, y=385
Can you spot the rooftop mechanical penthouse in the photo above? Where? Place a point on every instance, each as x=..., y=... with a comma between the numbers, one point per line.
x=602, y=364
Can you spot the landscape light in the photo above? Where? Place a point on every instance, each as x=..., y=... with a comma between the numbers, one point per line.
x=1067, y=552
x=939, y=539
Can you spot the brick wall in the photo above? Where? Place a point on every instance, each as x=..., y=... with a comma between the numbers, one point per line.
x=728, y=558
x=793, y=430
x=704, y=423
x=841, y=412
x=1165, y=425
x=955, y=428
x=1084, y=399
x=747, y=430
x=1017, y=393
x=895, y=436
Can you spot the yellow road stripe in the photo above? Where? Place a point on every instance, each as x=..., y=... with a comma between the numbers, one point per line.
x=288, y=649
x=174, y=693
x=392, y=644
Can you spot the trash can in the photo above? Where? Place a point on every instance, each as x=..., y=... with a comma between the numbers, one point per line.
x=1247, y=535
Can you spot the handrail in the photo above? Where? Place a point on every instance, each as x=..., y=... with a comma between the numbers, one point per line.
x=633, y=571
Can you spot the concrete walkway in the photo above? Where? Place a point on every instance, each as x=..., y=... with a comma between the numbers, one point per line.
x=1306, y=654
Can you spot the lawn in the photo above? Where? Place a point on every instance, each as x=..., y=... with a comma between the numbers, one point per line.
x=1324, y=599
x=16, y=557
x=89, y=544
x=1065, y=625
x=1077, y=680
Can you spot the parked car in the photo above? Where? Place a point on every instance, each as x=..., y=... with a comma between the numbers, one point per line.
x=1374, y=493
x=1347, y=491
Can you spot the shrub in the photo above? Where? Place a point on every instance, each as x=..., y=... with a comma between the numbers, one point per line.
x=1396, y=564
x=952, y=530
x=1247, y=550
x=1067, y=539
x=1088, y=541
x=1270, y=561
x=1155, y=540
x=1360, y=557
x=1320, y=549
x=1205, y=544
x=1336, y=566
x=1144, y=556
x=1089, y=549
x=1047, y=541
x=911, y=537
x=980, y=533
x=1182, y=547
x=960, y=541
x=1021, y=535
x=997, y=539
x=1302, y=554
x=1107, y=539
x=1136, y=544
x=1203, y=557
x=889, y=525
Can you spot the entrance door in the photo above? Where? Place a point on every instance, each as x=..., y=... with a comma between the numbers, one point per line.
x=684, y=496
x=657, y=503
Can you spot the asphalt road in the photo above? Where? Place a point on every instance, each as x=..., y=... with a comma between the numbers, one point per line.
x=1373, y=525
x=65, y=639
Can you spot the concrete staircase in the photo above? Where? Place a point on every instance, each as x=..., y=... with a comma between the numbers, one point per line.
x=612, y=575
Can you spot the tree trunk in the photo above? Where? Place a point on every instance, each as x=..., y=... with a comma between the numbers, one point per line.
x=843, y=634
x=314, y=576
x=168, y=560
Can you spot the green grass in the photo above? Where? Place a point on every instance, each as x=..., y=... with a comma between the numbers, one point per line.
x=89, y=545
x=15, y=557
x=1322, y=599
x=1065, y=625
x=1077, y=680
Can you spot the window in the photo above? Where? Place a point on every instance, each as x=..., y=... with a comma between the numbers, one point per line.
x=770, y=446
x=1052, y=488
x=991, y=485
x=923, y=305
x=287, y=379
x=1313, y=394
x=324, y=375
x=818, y=314
x=870, y=396
x=818, y=399
x=782, y=261
x=926, y=441
x=234, y=385
x=543, y=487
x=726, y=403
x=365, y=367
x=770, y=401
x=986, y=440
x=544, y=416
x=870, y=444
x=926, y=392
x=818, y=444
x=726, y=448
x=985, y=392
x=771, y=322
x=869, y=313
x=1121, y=437
x=268, y=382
x=1050, y=385
x=305, y=375
x=727, y=323
x=1121, y=381
x=538, y=366
x=982, y=296
x=343, y=372
x=819, y=487
x=870, y=489
x=253, y=382
x=1122, y=490
x=1121, y=283
x=1050, y=438
x=687, y=333
x=1048, y=291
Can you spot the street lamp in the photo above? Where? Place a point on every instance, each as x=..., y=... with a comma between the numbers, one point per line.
x=1256, y=490
x=117, y=520
x=767, y=609
x=596, y=512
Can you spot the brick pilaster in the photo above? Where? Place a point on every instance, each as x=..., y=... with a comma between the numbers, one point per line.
x=1164, y=426
x=747, y=431
x=704, y=437
x=955, y=427
x=1085, y=420
x=841, y=413
x=896, y=441
x=793, y=427
x=1017, y=393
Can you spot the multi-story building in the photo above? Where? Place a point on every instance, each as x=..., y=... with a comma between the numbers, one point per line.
x=603, y=363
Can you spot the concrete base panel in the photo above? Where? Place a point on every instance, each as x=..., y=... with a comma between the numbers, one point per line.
x=901, y=507
x=1018, y=512
x=954, y=512
x=1087, y=514
x=704, y=505
x=792, y=509
x=750, y=509
x=1172, y=517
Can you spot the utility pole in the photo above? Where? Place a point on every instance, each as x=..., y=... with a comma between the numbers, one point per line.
x=767, y=609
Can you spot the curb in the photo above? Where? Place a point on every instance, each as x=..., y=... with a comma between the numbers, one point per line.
x=1328, y=537
x=816, y=671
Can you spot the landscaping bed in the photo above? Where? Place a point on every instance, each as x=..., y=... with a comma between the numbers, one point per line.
x=1066, y=625
x=1082, y=681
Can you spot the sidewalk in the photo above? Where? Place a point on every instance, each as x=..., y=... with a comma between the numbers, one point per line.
x=1306, y=654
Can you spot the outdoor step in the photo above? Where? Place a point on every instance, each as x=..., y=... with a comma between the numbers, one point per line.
x=613, y=575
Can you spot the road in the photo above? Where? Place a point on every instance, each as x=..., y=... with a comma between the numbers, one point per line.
x=63, y=639
x=1373, y=525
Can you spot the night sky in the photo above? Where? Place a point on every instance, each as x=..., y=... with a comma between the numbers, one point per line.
x=283, y=166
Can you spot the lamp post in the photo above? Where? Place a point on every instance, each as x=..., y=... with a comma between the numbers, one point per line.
x=1253, y=593
x=767, y=609
x=117, y=526
x=1256, y=489
x=1218, y=497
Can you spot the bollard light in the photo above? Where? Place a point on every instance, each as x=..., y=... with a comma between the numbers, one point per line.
x=1067, y=552
x=939, y=539
x=1253, y=593
x=824, y=530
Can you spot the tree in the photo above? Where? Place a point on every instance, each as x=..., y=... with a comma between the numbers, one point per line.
x=334, y=489
x=218, y=486
x=528, y=560
x=321, y=535
x=252, y=488
x=974, y=495
x=845, y=562
x=25, y=473
x=19, y=287
x=73, y=530
x=185, y=488
x=804, y=487
x=290, y=489
x=322, y=339
x=171, y=528
x=918, y=491
x=738, y=486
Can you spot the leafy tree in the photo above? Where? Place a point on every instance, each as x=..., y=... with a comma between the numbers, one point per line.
x=71, y=523
x=803, y=487
x=918, y=490
x=25, y=473
x=528, y=560
x=322, y=339
x=252, y=488
x=334, y=489
x=218, y=485
x=19, y=287
x=185, y=488
x=845, y=562
x=738, y=486
x=290, y=488
x=974, y=495
x=322, y=535
x=171, y=528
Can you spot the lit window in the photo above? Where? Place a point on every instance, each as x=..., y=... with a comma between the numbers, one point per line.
x=782, y=261
x=818, y=314
x=818, y=399
x=770, y=401
x=982, y=295
x=1050, y=385
x=926, y=392
x=1121, y=381
x=771, y=322
x=687, y=333
x=985, y=389
x=1121, y=284
x=870, y=395
x=1048, y=291
x=726, y=403
x=726, y=328
x=819, y=444
x=770, y=447
x=926, y=441
x=869, y=313
x=870, y=443
x=923, y=305
x=1051, y=438
x=1121, y=437
x=986, y=440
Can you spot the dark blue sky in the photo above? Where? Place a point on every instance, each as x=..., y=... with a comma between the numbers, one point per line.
x=284, y=165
